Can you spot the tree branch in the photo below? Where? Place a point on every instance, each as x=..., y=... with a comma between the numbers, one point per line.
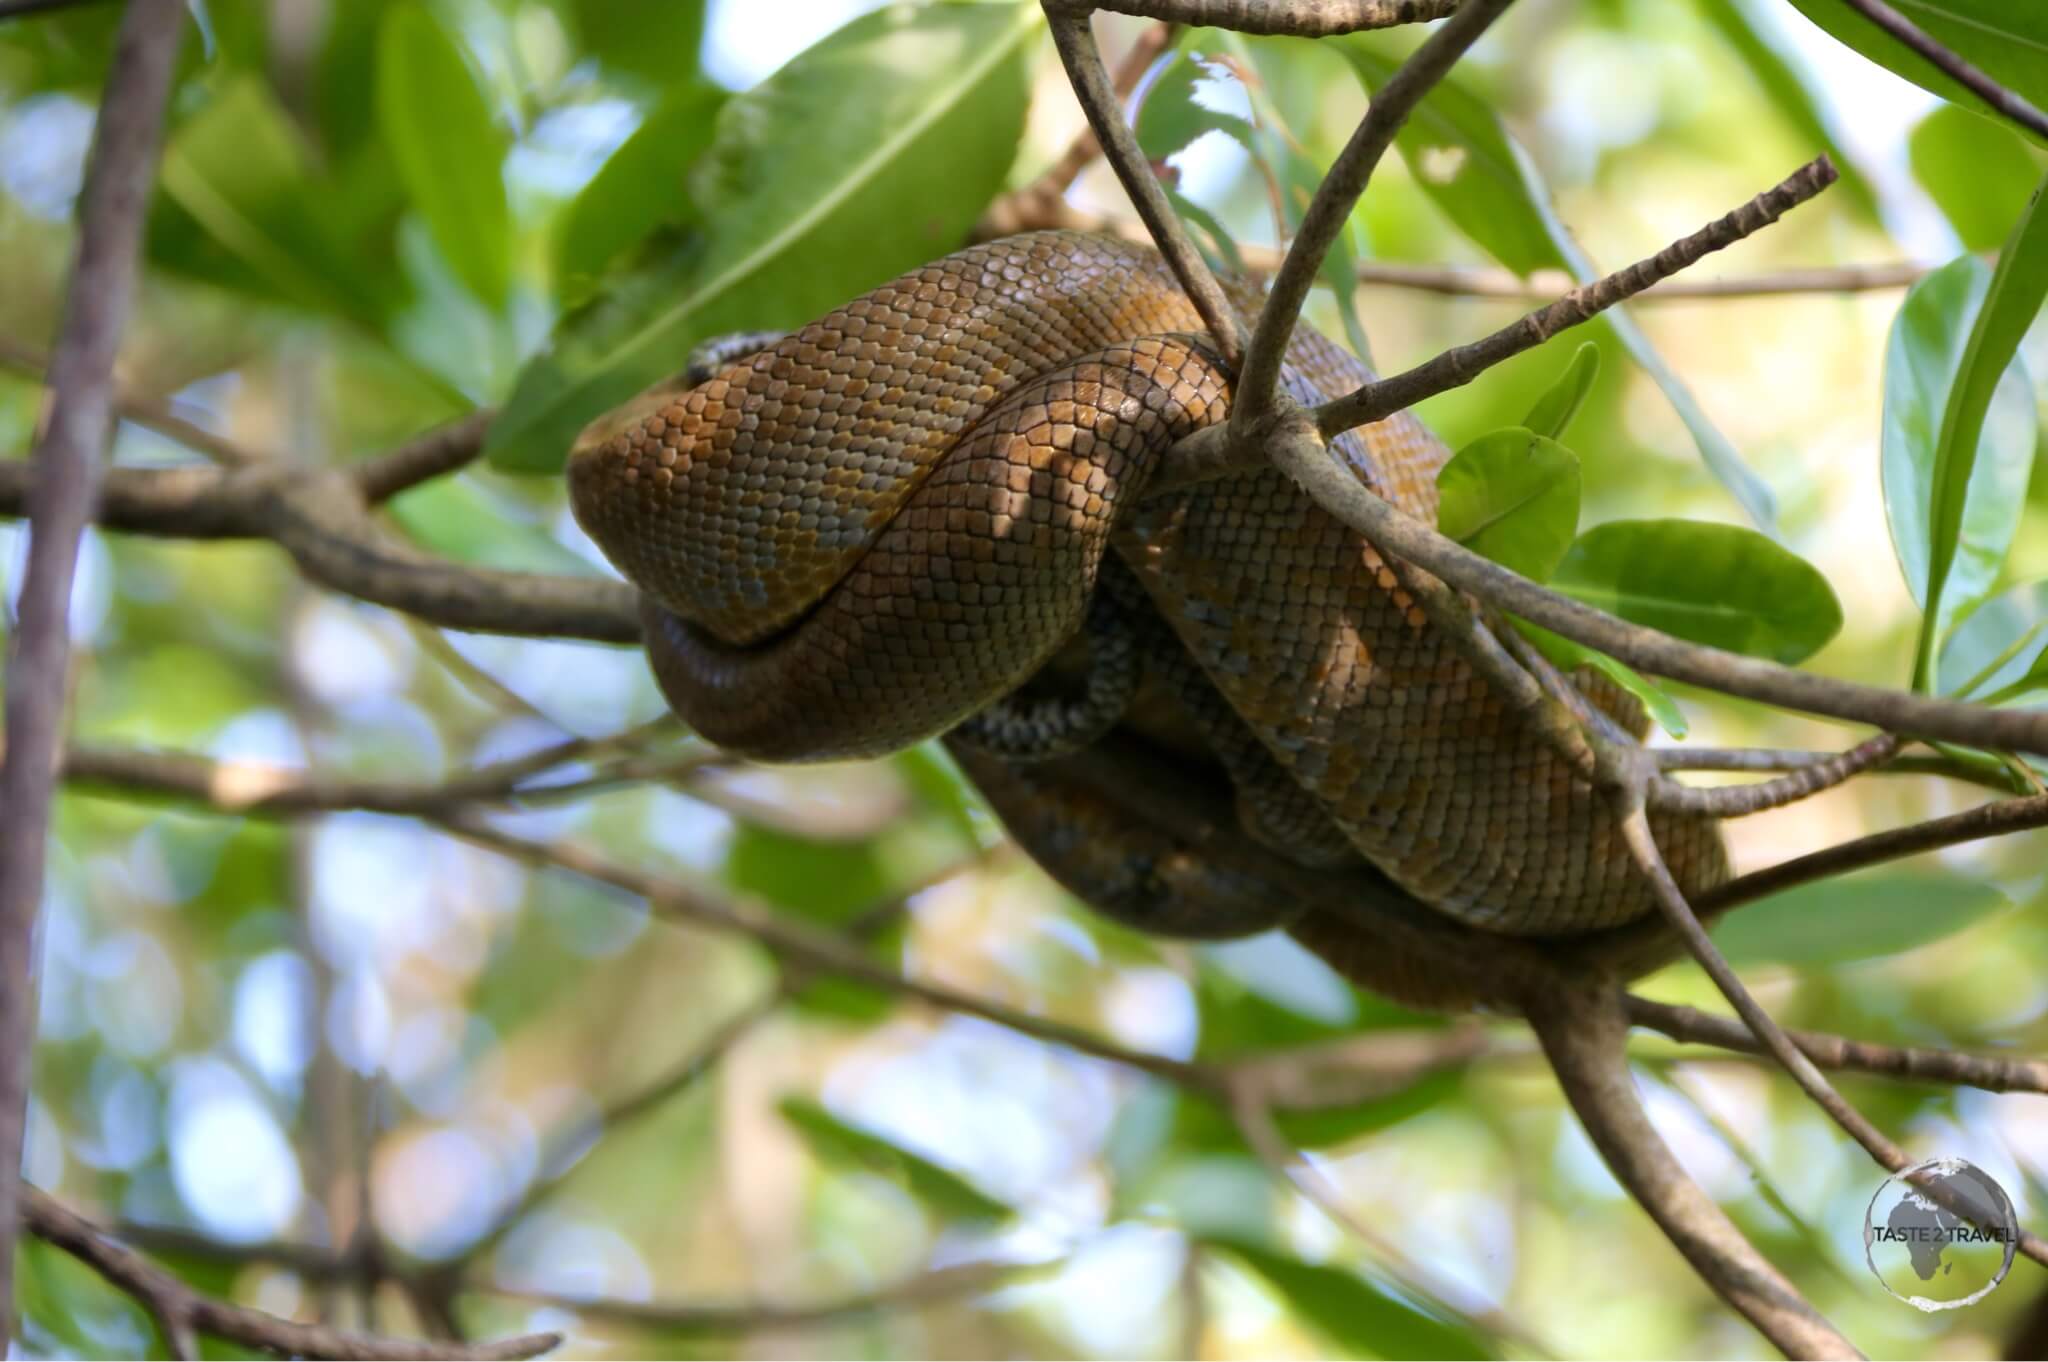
x=189, y=1312
x=1307, y=461
x=1258, y=385
x=1989, y=1072
x=1075, y=39
x=1584, y=1038
x=1460, y=365
x=1291, y=18
x=68, y=453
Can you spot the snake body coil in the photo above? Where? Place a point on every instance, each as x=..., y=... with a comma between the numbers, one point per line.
x=856, y=539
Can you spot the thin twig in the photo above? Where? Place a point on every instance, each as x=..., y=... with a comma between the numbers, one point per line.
x=166, y=1296
x=1076, y=42
x=1999, y=818
x=2002, y=100
x=68, y=455
x=939, y=1284
x=1460, y=365
x=1258, y=385
x=1811, y=778
x=1292, y=18
x=1761, y=759
x=430, y=456
x=1989, y=1072
x=815, y=950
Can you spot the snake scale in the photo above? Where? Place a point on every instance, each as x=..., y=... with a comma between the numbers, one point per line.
x=887, y=522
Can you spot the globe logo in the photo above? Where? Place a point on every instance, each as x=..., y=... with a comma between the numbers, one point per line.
x=1940, y=1235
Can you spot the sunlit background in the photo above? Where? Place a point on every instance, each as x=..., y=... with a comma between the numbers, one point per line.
x=270, y=1034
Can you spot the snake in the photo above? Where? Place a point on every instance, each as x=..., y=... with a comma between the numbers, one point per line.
x=933, y=505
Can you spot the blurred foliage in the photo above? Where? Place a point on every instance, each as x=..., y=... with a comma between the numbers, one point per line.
x=377, y=214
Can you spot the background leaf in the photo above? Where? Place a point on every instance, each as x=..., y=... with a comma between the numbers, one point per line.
x=942, y=1189
x=868, y=154
x=449, y=149
x=1352, y=1313
x=642, y=186
x=1715, y=584
x=1855, y=917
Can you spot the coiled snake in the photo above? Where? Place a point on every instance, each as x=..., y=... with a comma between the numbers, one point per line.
x=885, y=523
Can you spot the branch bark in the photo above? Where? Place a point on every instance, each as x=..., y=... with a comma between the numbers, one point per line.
x=186, y=1312
x=1292, y=18
x=1584, y=1038
x=68, y=453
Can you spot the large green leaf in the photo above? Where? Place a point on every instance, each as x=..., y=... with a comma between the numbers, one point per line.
x=238, y=170
x=641, y=186
x=1512, y=495
x=2005, y=39
x=1715, y=584
x=2012, y=301
x=1854, y=917
x=940, y=1188
x=1463, y=157
x=1356, y=1316
x=450, y=151
x=1922, y=360
x=868, y=154
x=2001, y=651
x=1977, y=169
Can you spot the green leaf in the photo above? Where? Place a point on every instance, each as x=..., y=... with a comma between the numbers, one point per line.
x=460, y=519
x=2001, y=650
x=656, y=39
x=942, y=1189
x=1720, y=585
x=1356, y=1316
x=866, y=155
x=1954, y=538
x=1554, y=410
x=1461, y=156
x=825, y=882
x=1922, y=357
x=1173, y=117
x=1512, y=495
x=1854, y=917
x=1787, y=85
x=1978, y=170
x=1568, y=656
x=640, y=187
x=2005, y=39
x=238, y=170
x=450, y=151
x=1464, y=159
